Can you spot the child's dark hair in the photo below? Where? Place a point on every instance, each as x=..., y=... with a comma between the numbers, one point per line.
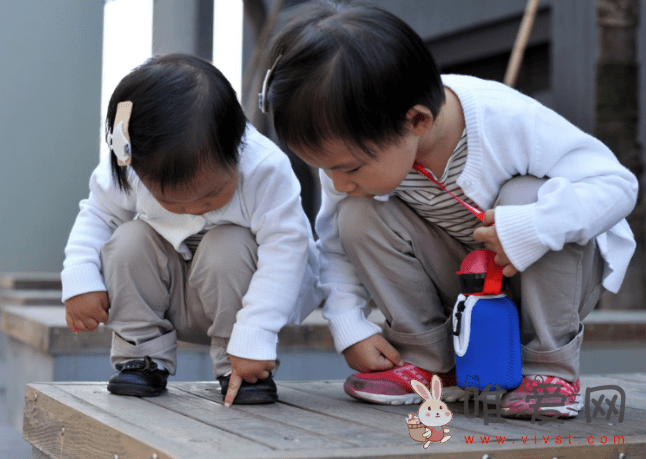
x=351, y=72
x=185, y=117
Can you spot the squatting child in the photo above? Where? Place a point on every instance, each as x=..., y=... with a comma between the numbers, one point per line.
x=354, y=91
x=194, y=231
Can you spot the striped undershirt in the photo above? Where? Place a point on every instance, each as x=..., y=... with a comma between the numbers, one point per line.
x=439, y=207
x=193, y=241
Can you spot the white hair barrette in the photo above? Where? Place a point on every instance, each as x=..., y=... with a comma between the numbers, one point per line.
x=262, y=96
x=119, y=139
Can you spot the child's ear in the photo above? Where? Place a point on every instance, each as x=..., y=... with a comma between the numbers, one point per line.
x=420, y=118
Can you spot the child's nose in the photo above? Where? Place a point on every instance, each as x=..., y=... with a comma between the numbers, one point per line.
x=341, y=182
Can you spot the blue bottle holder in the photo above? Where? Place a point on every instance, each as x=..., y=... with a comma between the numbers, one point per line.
x=486, y=338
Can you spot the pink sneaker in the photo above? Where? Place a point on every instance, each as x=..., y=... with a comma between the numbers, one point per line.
x=392, y=387
x=534, y=389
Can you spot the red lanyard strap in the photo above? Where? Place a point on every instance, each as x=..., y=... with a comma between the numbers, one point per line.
x=494, y=277
x=474, y=210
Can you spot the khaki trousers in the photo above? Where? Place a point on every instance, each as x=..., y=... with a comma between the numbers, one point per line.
x=157, y=297
x=408, y=266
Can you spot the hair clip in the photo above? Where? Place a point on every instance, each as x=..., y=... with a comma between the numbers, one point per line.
x=119, y=139
x=262, y=96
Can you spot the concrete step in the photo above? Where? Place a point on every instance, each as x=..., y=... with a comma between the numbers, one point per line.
x=30, y=280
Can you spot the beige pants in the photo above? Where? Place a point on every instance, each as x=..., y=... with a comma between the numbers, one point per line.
x=156, y=297
x=408, y=265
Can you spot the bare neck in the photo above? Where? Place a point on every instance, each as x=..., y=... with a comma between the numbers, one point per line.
x=439, y=142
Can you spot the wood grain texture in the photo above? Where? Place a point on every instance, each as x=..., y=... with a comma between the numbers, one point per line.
x=312, y=420
x=97, y=423
x=43, y=327
x=25, y=281
x=30, y=297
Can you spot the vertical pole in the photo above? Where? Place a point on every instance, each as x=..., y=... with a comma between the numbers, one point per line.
x=518, y=51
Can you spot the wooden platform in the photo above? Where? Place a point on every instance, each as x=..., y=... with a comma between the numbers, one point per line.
x=312, y=420
x=46, y=280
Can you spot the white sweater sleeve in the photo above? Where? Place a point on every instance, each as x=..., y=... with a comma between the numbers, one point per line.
x=100, y=214
x=272, y=197
x=346, y=306
x=587, y=193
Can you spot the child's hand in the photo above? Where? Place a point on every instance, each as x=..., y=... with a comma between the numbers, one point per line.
x=372, y=354
x=249, y=370
x=489, y=236
x=86, y=311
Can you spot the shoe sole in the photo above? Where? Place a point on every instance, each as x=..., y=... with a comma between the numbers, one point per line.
x=568, y=411
x=255, y=399
x=133, y=390
x=407, y=399
x=251, y=396
x=450, y=394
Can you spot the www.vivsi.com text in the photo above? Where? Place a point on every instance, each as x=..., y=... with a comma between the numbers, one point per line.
x=556, y=439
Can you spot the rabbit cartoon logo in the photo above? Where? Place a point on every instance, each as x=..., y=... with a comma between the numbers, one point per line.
x=434, y=414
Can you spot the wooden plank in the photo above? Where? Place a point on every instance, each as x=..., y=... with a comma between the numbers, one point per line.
x=600, y=326
x=44, y=328
x=180, y=425
x=616, y=316
x=337, y=432
x=61, y=426
x=103, y=416
x=329, y=398
x=15, y=326
x=96, y=422
x=30, y=297
x=183, y=398
x=396, y=444
x=630, y=384
x=31, y=280
x=639, y=377
x=393, y=417
x=616, y=325
x=635, y=390
x=515, y=429
x=313, y=333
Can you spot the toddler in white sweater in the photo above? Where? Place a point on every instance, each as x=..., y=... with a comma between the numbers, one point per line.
x=194, y=231
x=354, y=91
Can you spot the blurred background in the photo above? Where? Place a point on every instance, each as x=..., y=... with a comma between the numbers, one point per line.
x=60, y=61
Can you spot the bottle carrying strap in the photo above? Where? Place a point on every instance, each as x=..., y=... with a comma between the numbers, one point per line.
x=474, y=210
x=493, y=280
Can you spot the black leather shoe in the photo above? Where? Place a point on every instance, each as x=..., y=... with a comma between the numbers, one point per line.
x=262, y=391
x=141, y=378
